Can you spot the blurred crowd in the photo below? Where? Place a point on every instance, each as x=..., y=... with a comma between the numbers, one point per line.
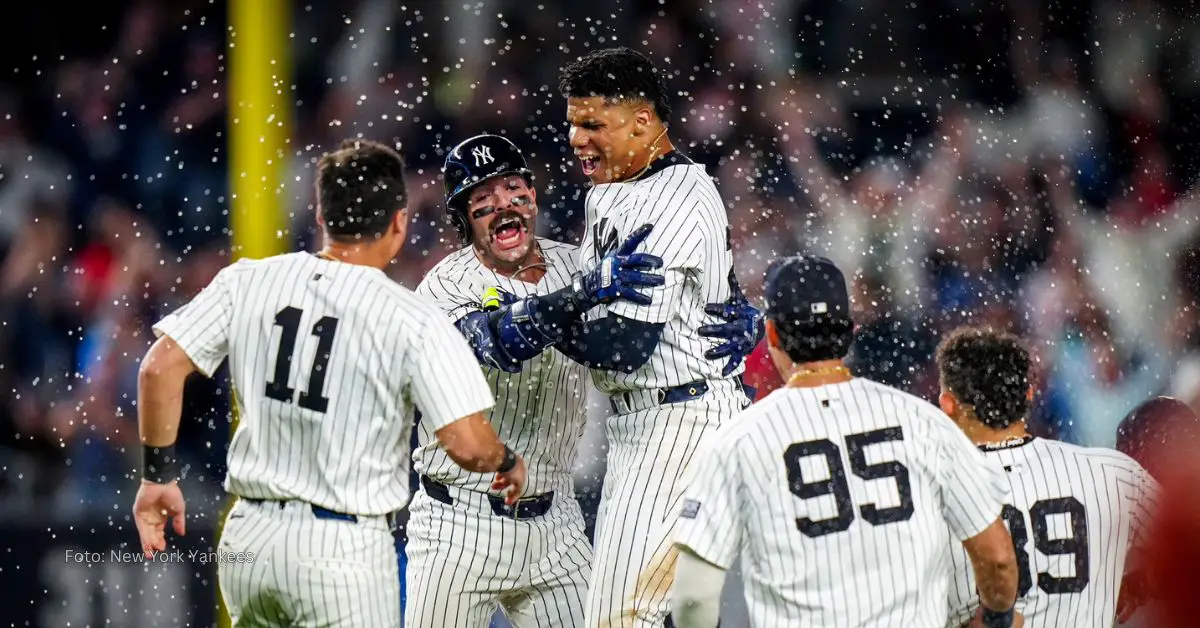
x=1024, y=164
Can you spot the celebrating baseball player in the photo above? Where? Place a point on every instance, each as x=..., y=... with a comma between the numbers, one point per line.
x=329, y=359
x=457, y=530
x=837, y=492
x=1075, y=513
x=666, y=396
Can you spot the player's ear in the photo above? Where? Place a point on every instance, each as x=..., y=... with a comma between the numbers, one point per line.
x=641, y=120
x=772, y=334
x=400, y=220
x=948, y=403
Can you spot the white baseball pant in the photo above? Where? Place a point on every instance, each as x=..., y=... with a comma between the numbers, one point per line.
x=463, y=560
x=307, y=570
x=650, y=450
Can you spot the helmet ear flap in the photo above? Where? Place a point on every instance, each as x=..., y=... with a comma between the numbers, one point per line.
x=458, y=220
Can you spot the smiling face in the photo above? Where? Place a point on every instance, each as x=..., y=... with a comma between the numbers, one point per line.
x=501, y=211
x=612, y=139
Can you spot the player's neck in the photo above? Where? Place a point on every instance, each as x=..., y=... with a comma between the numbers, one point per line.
x=660, y=146
x=530, y=268
x=819, y=373
x=981, y=434
x=372, y=254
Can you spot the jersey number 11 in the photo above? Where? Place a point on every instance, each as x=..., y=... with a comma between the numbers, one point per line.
x=277, y=387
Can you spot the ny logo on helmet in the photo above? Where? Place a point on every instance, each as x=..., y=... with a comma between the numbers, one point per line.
x=482, y=155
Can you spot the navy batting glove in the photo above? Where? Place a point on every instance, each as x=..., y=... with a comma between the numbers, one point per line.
x=742, y=332
x=620, y=274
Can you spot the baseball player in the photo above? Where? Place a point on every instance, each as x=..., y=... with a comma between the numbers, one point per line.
x=1163, y=435
x=329, y=359
x=1074, y=513
x=838, y=492
x=668, y=394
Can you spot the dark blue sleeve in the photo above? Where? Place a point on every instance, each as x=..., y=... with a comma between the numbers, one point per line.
x=614, y=343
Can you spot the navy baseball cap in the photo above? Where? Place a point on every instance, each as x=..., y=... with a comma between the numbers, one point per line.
x=807, y=290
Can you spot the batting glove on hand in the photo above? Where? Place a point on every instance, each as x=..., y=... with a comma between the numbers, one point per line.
x=620, y=274
x=742, y=332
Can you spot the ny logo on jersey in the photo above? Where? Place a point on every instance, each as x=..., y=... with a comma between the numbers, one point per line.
x=604, y=238
x=482, y=155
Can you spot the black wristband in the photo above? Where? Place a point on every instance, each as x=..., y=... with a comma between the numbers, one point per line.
x=509, y=462
x=998, y=619
x=159, y=464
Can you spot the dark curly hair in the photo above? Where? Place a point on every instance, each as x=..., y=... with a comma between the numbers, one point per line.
x=989, y=371
x=360, y=186
x=616, y=74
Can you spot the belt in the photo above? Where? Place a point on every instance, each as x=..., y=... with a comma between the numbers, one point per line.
x=637, y=400
x=525, y=508
x=321, y=513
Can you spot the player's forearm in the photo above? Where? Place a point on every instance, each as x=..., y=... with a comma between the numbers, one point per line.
x=161, y=380
x=995, y=564
x=472, y=444
x=997, y=584
x=614, y=343
x=696, y=593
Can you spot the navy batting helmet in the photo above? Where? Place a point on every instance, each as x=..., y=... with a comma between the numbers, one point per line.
x=474, y=160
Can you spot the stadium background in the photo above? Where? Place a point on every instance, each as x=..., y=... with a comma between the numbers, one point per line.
x=1055, y=143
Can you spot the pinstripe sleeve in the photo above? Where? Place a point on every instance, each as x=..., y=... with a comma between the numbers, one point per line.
x=709, y=522
x=452, y=297
x=446, y=382
x=974, y=487
x=201, y=326
x=1144, y=507
x=678, y=238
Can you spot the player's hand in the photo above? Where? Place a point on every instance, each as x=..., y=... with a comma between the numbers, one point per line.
x=621, y=273
x=1133, y=594
x=154, y=504
x=977, y=621
x=742, y=331
x=512, y=484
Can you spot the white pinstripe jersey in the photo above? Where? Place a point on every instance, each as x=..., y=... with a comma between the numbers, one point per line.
x=328, y=361
x=1074, y=514
x=540, y=412
x=840, y=499
x=691, y=235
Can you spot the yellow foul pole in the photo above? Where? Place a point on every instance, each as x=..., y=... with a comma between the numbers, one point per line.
x=260, y=100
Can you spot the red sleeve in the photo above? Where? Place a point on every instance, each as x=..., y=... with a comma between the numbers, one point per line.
x=761, y=373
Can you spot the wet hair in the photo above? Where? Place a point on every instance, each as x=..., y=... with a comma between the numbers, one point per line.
x=989, y=371
x=360, y=187
x=805, y=342
x=616, y=74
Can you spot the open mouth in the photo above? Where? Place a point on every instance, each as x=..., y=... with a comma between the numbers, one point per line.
x=589, y=164
x=509, y=232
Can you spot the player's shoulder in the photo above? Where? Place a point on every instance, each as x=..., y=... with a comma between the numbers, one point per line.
x=450, y=270
x=456, y=262
x=246, y=267
x=679, y=175
x=916, y=410
x=1104, y=458
x=558, y=252
x=555, y=247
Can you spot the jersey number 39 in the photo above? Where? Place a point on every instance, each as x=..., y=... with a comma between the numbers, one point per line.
x=1075, y=545
x=837, y=485
x=277, y=387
